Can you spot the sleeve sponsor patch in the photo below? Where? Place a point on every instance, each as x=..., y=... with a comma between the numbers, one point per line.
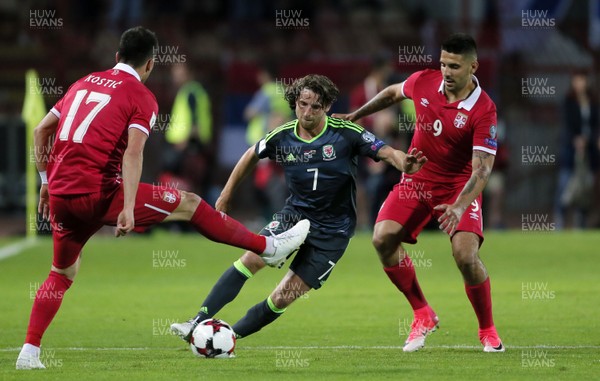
x=491, y=142
x=377, y=144
x=368, y=137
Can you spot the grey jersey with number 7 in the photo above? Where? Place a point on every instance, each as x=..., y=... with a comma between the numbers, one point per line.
x=321, y=173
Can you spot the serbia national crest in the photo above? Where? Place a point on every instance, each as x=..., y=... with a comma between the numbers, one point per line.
x=460, y=120
x=169, y=197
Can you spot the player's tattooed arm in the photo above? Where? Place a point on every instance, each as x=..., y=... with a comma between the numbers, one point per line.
x=469, y=186
x=481, y=171
x=482, y=163
x=383, y=99
x=379, y=102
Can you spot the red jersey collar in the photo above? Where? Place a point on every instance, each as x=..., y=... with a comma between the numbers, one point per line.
x=470, y=101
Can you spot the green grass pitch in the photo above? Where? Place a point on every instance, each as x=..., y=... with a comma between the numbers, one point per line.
x=114, y=321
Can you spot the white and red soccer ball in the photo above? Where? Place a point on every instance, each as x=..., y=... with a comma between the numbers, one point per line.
x=213, y=338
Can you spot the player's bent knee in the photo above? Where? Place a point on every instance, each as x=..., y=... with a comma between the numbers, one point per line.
x=189, y=201
x=465, y=267
x=386, y=238
x=384, y=244
x=378, y=242
x=466, y=261
x=70, y=272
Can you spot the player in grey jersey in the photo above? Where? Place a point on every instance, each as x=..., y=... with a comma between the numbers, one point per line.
x=319, y=155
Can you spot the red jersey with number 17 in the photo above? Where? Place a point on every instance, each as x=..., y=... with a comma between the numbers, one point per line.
x=95, y=116
x=448, y=133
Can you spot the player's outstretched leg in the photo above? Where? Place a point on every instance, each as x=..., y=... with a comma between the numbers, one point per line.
x=289, y=289
x=220, y=227
x=48, y=299
x=400, y=269
x=465, y=248
x=224, y=291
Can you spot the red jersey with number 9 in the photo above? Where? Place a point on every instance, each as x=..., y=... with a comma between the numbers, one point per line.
x=95, y=116
x=448, y=133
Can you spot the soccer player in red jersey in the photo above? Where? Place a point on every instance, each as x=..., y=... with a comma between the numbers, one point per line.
x=456, y=129
x=91, y=178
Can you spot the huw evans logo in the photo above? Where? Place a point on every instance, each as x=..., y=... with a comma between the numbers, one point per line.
x=537, y=155
x=44, y=19
x=46, y=87
x=168, y=55
x=290, y=19
x=410, y=54
x=537, y=19
x=536, y=291
x=536, y=87
x=537, y=222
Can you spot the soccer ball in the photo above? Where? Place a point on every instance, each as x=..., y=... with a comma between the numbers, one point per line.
x=213, y=338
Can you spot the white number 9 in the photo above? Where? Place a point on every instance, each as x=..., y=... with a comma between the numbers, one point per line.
x=437, y=127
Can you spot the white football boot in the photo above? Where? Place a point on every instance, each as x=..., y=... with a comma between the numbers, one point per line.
x=184, y=330
x=29, y=358
x=286, y=243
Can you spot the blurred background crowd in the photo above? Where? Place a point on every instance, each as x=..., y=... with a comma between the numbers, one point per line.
x=222, y=65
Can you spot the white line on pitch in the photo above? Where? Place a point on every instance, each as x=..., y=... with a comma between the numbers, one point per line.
x=541, y=346
x=16, y=248
x=359, y=347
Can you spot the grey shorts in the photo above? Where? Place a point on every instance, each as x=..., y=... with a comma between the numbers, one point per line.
x=316, y=258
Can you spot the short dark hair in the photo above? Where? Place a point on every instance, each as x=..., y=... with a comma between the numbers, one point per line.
x=137, y=45
x=319, y=84
x=460, y=43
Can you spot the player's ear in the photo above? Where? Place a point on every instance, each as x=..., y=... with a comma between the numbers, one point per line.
x=150, y=64
x=327, y=108
x=474, y=65
x=117, y=57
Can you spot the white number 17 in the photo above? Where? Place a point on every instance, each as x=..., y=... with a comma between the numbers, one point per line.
x=316, y=171
x=101, y=99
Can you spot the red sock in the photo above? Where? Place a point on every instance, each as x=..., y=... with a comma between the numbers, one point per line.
x=219, y=227
x=481, y=299
x=47, y=302
x=404, y=277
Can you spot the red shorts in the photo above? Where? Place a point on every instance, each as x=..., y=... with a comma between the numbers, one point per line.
x=411, y=205
x=76, y=218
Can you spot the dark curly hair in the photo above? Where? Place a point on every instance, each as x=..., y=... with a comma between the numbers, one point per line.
x=319, y=84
